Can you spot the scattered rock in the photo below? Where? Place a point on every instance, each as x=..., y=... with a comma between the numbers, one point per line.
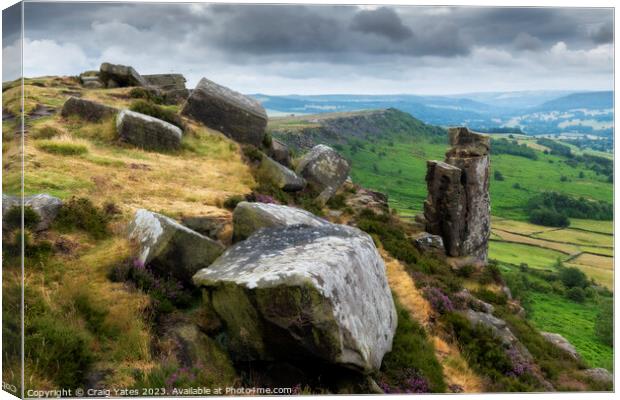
x=600, y=375
x=561, y=342
x=368, y=199
x=325, y=169
x=473, y=302
x=280, y=176
x=46, y=207
x=170, y=248
x=148, y=132
x=90, y=80
x=115, y=75
x=427, y=243
x=280, y=153
x=86, y=109
x=239, y=117
x=304, y=293
x=250, y=217
x=498, y=326
x=458, y=206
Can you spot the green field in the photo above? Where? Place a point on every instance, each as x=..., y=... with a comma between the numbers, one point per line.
x=399, y=170
x=574, y=321
x=592, y=225
x=515, y=253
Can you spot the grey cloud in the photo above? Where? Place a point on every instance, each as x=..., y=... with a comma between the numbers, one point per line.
x=382, y=21
x=604, y=33
x=525, y=41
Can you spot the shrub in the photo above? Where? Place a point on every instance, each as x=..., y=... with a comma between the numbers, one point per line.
x=149, y=95
x=148, y=108
x=498, y=176
x=438, y=300
x=576, y=294
x=80, y=213
x=412, y=357
x=252, y=153
x=231, y=202
x=604, y=325
x=63, y=148
x=548, y=217
x=337, y=202
x=491, y=297
x=166, y=293
x=483, y=351
x=59, y=349
x=572, y=277
x=13, y=218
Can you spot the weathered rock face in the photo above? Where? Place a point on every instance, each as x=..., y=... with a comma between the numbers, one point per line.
x=147, y=132
x=458, y=207
x=280, y=176
x=239, y=117
x=304, y=293
x=250, y=217
x=558, y=340
x=169, y=248
x=280, y=153
x=325, y=169
x=46, y=207
x=86, y=109
x=115, y=75
x=166, y=81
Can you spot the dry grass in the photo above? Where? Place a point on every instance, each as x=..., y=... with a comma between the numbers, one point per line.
x=603, y=277
x=521, y=227
x=577, y=237
x=514, y=238
x=455, y=368
x=595, y=261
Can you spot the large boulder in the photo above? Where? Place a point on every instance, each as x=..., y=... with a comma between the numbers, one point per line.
x=148, y=132
x=239, y=117
x=280, y=176
x=116, y=75
x=45, y=205
x=250, y=217
x=169, y=248
x=458, y=207
x=86, y=109
x=304, y=293
x=325, y=169
x=560, y=341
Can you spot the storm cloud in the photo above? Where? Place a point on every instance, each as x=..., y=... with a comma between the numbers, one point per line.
x=328, y=49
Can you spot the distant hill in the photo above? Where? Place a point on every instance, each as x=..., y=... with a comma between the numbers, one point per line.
x=351, y=128
x=534, y=112
x=587, y=100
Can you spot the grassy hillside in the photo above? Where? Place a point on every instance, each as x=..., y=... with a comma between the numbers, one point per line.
x=96, y=318
x=394, y=162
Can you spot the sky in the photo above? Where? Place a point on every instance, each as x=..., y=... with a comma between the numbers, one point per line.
x=306, y=49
